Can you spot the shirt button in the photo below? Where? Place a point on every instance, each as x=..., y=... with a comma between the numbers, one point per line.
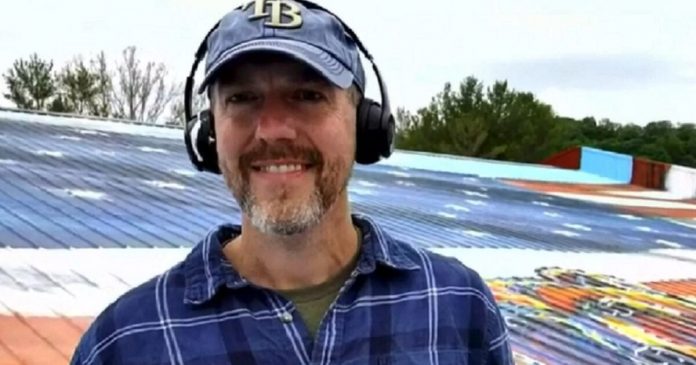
x=286, y=317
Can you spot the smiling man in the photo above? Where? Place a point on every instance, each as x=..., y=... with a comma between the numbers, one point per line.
x=302, y=279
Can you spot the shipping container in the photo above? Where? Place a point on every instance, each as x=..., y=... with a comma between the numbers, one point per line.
x=649, y=174
x=567, y=159
x=611, y=165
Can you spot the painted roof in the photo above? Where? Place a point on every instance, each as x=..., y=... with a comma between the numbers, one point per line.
x=89, y=209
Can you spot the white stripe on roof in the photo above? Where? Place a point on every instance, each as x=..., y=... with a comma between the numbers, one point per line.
x=97, y=277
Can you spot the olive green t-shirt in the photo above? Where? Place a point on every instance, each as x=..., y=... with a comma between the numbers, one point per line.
x=313, y=302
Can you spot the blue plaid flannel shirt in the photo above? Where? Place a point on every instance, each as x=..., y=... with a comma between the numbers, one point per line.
x=402, y=305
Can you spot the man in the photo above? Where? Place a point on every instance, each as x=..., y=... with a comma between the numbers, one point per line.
x=302, y=280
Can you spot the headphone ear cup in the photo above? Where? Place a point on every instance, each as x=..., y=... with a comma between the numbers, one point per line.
x=375, y=133
x=200, y=142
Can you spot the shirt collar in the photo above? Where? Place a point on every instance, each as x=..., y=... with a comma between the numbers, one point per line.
x=206, y=270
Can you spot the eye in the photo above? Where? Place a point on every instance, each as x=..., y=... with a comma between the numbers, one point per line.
x=240, y=97
x=308, y=95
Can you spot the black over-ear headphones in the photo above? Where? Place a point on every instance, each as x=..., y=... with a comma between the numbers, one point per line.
x=374, y=129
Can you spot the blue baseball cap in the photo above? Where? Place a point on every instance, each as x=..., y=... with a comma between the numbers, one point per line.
x=310, y=35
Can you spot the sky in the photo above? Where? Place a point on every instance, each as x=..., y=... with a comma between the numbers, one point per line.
x=629, y=61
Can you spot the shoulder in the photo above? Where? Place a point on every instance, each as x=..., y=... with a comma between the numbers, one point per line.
x=467, y=295
x=450, y=274
x=444, y=270
x=137, y=312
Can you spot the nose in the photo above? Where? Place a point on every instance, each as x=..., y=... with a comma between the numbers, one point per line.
x=275, y=121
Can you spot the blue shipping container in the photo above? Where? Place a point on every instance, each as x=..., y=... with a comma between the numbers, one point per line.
x=611, y=165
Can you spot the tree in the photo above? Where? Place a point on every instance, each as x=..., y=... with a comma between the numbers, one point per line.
x=176, y=111
x=60, y=105
x=140, y=92
x=30, y=82
x=101, y=105
x=77, y=88
x=660, y=141
x=500, y=123
x=518, y=120
x=505, y=124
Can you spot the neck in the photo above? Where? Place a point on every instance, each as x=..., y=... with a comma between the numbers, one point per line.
x=291, y=262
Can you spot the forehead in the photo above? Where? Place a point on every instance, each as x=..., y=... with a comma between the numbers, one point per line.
x=254, y=67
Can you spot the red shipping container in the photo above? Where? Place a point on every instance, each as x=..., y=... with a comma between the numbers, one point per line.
x=567, y=159
x=649, y=174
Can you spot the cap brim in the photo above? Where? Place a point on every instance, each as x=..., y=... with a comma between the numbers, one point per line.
x=321, y=61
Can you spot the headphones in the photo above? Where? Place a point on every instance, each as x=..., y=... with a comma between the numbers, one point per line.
x=374, y=129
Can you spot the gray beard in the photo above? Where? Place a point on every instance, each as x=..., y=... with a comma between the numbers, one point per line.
x=282, y=216
x=290, y=219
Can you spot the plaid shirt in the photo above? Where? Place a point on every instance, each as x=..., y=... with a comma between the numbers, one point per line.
x=401, y=305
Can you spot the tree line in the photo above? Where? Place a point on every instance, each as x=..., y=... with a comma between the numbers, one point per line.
x=494, y=122
x=498, y=122
x=128, y=88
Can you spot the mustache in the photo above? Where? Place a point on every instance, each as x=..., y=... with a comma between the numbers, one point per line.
x=264, y=151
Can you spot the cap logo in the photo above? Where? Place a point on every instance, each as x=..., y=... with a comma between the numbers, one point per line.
x=278, y=9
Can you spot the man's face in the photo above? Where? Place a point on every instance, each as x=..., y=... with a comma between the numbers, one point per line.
x=285, y=141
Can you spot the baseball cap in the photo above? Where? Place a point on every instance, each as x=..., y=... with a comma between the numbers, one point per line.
x=308, y=34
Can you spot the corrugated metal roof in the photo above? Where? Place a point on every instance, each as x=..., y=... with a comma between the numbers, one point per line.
x=573, y=317
x=69, y=192
x=116, y=190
